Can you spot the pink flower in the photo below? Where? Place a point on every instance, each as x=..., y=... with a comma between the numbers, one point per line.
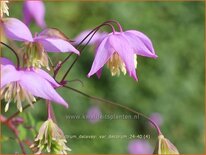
x=94, y=114
x=139, y=147
x=34, y=10
x=50, y=40
x=23, y=85
x=16, y=30
x=157, y=118
x=119, y=50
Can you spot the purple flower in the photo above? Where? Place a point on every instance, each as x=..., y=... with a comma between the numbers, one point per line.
x=16, y=30
x=157, y=118
x=96, y=39
x=23, y=85
x=34, y=10
x=34, y=55
x=119, y=49
x=94, y=114
x=139, y=147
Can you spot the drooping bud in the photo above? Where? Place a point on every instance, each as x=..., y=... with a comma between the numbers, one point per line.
x=164, y=146
x=51, y=139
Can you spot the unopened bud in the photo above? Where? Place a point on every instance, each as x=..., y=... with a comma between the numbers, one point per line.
x=164, y=146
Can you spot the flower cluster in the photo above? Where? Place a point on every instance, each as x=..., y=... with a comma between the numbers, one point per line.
x=29, y=79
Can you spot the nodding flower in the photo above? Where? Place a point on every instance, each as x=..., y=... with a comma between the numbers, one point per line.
x=24, y=85
x=34, y=10
x=35, y=48
x=119, y=50
x=51, y=139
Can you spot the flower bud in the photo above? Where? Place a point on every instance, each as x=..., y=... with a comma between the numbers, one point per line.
x=51, y=139
x=164, y=146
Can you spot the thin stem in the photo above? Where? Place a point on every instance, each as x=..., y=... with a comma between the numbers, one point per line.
x=17, y=58
x=60, y=65
x=116, y=22
x=49, y=109
x=14, y=130
x=20, y=143
x=75, y=60
x=96, y=29
x=67, y=58
x=117, y=105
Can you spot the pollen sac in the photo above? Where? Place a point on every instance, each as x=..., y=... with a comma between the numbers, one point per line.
x=35, y=56
x=50, y=139
x=4, y=9
x=116, y=65
x=14, y=91
x=164, y=146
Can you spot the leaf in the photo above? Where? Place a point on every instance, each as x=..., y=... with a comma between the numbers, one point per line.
x=31, y=119
x=22, y=132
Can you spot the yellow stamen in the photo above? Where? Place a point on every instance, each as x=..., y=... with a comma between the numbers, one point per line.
x=4, y=8
x=14, y=91
x=35, y=56
x=116, y=65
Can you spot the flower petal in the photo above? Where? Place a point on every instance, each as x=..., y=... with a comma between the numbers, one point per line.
x=9, y=74
x=46, y=76
x=124, y=49
x=5, y=61
x=27, y=17
x=145, y=41
x=103, y=53
x=56, y=45
x=16, y=30
x=142, y=46
x=36, y=10
x=144, y=38
x=40, y=87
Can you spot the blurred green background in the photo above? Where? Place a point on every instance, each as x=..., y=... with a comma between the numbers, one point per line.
x=172, y=85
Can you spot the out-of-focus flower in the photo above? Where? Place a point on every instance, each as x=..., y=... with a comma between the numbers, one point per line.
x=94, y=114
x=4, y=9
x=96, y=39
x=119, y=50
x=164, y=146
x=34, y=49
x=23, y=85
x=34, y=10
x=157, y=118
x=51, y=139
x=139, y=147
